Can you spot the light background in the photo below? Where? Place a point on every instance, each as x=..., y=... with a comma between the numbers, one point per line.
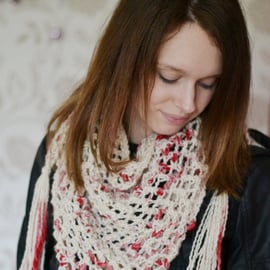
x=45, y=47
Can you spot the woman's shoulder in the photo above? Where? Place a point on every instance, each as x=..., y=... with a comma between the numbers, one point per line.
x=258, y=175
x=256, y=192
x=35, y=173
x=247, y=238
x=254, y=215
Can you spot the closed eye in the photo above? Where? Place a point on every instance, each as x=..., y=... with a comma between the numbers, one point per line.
x=208, y=86
x=166, y=80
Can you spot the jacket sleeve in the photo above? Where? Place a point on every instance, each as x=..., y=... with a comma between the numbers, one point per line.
x=249, y=246
x=35, y=173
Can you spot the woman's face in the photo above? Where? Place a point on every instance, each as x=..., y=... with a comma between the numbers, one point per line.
x=189, y=65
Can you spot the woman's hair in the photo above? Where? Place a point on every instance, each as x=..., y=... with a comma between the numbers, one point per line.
x=122, y=73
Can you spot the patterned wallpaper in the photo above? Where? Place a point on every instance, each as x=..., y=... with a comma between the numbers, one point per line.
x=45, y=50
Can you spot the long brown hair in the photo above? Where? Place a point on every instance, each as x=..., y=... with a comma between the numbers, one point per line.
x=122, y=73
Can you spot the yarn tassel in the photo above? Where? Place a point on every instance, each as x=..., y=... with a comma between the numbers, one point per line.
x=206, y=249
x=37, y=225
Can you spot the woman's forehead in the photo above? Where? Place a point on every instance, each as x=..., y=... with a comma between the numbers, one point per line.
x=191, y=50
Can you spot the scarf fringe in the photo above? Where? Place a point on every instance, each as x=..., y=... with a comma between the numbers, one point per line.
x=206, y=249
x=37, y=225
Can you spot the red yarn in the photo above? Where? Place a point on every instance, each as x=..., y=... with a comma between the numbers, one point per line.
x=219, y=245
x=41, y=235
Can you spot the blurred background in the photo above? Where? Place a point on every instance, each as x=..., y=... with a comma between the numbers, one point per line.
x=45, y=48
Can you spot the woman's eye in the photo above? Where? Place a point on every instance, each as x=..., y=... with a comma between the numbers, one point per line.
x=208, y=86
x=166, y=80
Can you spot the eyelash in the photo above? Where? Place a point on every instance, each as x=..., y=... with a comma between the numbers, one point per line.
x=167, y=80
x=202, y=85
x=210, y=86
x=207, y=86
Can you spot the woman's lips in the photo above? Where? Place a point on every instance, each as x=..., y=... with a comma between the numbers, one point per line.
x=175, y=119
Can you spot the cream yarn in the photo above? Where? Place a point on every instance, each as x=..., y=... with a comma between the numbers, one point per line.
x=137, y=218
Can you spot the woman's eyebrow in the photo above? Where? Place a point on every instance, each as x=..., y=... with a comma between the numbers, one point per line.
x=171, y=67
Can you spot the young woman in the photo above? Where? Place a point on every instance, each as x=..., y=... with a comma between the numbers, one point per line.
x=148, y=164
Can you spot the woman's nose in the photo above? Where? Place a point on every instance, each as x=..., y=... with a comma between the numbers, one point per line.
x=185, y=98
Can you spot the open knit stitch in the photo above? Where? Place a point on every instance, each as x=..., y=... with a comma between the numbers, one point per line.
x=137, y=218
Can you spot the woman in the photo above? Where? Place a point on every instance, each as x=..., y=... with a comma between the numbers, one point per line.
x=148, y=164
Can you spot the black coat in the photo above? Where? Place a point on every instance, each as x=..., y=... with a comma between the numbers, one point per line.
x=246, y=244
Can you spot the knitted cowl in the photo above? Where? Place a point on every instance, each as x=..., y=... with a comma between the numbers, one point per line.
x=134, y=219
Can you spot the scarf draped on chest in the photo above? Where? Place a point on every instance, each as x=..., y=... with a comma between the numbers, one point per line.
x=136, y=218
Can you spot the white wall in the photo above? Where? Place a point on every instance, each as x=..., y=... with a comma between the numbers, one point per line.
x=257, y=13
x=38, y=68
x=37, y=71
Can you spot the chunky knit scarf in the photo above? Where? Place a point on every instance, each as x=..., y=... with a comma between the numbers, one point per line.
x=134, y=219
